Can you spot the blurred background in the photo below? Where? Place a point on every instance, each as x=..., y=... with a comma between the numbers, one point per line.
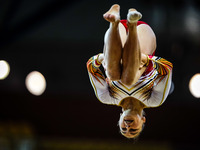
x=56, y=38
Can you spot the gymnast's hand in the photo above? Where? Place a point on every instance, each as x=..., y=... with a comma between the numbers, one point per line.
x=144, y=60
x=101, y=58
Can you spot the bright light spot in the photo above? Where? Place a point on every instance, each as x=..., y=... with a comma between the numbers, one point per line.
x=194, y=85
x=4, y=69
x=192, y=20
x=35, y=83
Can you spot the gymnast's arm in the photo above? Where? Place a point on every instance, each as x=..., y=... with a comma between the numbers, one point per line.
x=163, y=80
x=97, y=78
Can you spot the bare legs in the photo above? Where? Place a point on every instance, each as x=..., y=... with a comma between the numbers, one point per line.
x=122, y=54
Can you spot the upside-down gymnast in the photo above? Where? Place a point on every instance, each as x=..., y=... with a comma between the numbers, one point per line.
x=135, y=78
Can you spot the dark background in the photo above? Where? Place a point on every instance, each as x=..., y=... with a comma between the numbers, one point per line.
x=57, y=38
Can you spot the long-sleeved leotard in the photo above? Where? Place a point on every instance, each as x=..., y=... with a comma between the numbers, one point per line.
x=151, y=89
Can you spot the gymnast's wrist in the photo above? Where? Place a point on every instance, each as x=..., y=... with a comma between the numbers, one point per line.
x=97, y=60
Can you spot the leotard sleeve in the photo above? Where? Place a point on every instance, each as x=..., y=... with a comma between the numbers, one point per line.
x=162, y=82
x=98, y=81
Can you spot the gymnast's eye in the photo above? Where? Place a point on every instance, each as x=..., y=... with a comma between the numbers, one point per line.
x=124, y=129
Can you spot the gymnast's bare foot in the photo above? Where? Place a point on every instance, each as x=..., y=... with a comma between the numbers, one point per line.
x=112, y=15
x=133, y=16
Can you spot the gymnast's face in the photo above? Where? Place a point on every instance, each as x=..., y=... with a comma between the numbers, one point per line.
x=131, y=124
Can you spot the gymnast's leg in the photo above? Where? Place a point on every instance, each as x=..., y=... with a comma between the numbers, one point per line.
x=113, y=44
x=131, y=57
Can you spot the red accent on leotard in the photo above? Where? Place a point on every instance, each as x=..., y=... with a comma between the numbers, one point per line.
x=124, y=22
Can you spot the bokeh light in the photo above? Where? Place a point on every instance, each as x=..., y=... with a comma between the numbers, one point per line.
x=35, y=83
x=4, y=69
x=194, y=85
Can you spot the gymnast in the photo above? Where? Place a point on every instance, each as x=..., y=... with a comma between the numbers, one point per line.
x=134, y=78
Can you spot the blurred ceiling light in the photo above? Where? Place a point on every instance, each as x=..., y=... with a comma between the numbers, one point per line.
x=35, y=83
x=194, y=85
x=192, y=22
x=4, y=69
